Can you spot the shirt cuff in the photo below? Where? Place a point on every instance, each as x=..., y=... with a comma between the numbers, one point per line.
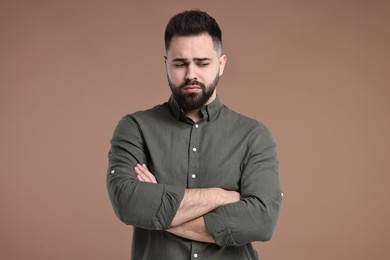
x=217, y=226
x=171, y=199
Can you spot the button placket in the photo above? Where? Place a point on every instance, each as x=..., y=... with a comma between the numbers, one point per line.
x=193, y=177
x=194, y=157
x=196, y=250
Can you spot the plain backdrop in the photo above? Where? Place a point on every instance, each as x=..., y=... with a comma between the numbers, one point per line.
x=315, y=72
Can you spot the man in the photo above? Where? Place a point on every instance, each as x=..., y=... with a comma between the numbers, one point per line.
x=195, y=179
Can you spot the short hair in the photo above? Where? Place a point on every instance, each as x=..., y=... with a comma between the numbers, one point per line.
x=193, y=22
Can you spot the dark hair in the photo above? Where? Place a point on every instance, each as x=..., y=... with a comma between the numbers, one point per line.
x=193, y=22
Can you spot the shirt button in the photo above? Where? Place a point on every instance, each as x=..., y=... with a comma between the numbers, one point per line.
x=112, y=172
x=193, y=176
x=196, y=125
x=194, y=149
x=195, y=255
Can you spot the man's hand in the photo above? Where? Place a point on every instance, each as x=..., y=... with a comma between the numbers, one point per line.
x=143, y=174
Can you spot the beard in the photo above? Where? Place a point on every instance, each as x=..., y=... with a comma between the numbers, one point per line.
x=192, y=101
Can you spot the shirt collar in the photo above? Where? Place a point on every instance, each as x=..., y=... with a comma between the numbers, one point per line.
x=209, y=112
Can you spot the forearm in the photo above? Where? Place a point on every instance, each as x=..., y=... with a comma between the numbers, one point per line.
x=197, y=202
x=193, y=230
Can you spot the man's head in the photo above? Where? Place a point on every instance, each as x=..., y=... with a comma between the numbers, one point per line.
x=194, y=62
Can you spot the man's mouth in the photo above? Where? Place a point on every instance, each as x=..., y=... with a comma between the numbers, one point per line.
x=191, y=88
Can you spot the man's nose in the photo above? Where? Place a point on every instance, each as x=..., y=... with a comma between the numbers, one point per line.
x=191, y=72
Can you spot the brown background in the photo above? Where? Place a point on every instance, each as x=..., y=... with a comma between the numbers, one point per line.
x=316, y=72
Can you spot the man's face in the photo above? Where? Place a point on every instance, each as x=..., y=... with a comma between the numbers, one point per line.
x=193, y=70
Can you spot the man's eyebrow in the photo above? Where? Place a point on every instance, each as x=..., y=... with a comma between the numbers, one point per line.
x=195, y=59
x=180, y=59
x=202, y=59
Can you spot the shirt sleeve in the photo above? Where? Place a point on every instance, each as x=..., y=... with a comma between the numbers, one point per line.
x=145, y=205
x=254, y=217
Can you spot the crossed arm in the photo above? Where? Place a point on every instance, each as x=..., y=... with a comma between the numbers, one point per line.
x=189, y=221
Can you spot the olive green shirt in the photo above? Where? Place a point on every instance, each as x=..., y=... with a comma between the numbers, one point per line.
x=224, y=149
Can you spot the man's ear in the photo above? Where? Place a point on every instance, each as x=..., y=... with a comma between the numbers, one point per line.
x=222, y=63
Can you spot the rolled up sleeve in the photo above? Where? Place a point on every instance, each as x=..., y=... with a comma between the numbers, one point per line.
x=254, y=217
x=145, y=205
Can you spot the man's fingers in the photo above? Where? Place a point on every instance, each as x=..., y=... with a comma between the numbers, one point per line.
x=141, y=174
x=147, y=173
x=140, y=178
x=144, y=174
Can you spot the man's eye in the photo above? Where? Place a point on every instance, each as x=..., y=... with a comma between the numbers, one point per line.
x=178, y=65
x=203, y=64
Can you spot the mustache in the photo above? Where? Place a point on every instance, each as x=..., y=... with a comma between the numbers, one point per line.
x=192, y=82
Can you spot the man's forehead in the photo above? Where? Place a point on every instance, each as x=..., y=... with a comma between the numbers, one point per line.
x=203, y=40
x=191, y=47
